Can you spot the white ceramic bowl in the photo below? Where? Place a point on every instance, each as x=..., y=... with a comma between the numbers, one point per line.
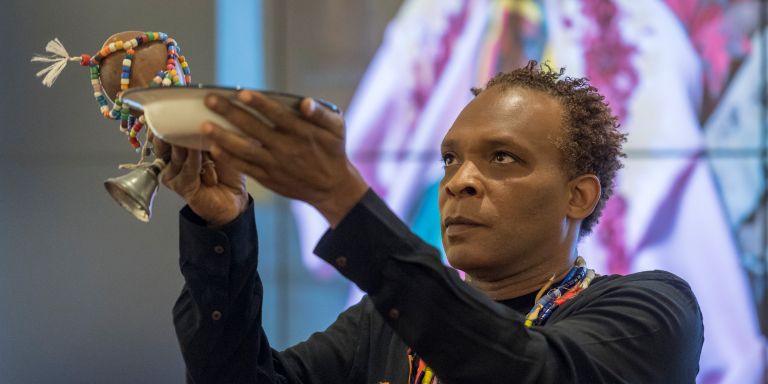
x=175, y=113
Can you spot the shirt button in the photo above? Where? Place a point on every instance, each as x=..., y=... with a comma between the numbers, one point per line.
x=341, y=262
x=218, y=249
x=215, y=315
x=394, y=314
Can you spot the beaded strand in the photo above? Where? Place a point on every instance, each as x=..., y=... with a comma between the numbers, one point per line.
x=164, y=78
x=576, y=280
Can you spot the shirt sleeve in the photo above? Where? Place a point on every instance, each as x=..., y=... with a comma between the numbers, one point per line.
x=466, y=337
x=218, y=316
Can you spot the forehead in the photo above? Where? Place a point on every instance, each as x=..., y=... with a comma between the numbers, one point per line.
x=529, y=118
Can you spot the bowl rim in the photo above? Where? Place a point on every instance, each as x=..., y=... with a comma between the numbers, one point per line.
x=333, y=107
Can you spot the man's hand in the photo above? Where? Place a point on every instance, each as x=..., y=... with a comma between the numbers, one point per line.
x=301, y=157
x=214, y=190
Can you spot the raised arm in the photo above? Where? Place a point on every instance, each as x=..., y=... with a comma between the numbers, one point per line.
x=218, y=316
x=641, y=328
x=634, y=330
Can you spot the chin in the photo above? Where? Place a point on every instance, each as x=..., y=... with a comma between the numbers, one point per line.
x=477, y=260
x=462, y=260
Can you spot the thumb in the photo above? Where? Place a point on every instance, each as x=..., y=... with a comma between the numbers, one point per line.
x=321, y=114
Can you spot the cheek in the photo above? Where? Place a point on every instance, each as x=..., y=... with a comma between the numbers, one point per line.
x=441, y=200
x=526, y=207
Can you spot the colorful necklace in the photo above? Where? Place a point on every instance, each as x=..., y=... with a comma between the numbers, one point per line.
x=577, y=280
x=168, y=76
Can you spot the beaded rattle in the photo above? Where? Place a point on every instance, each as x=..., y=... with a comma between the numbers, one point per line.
x=105, y=83
x=151, y=59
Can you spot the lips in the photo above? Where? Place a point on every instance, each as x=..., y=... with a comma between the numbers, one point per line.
x=457, y=225
x=459, y=220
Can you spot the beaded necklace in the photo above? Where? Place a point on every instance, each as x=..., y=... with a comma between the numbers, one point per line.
x=576, y=280
x=129, y=125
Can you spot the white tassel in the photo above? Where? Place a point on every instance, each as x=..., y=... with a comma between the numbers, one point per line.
x=59, y=58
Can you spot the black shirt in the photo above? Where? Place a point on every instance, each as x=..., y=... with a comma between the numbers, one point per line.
x=641, y=328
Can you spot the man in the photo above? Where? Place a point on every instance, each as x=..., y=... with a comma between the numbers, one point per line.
x=529, y=164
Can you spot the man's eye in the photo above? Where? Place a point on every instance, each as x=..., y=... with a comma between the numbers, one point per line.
x=503, y=157
x=448, y=159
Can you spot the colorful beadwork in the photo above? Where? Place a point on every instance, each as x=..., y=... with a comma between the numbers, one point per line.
x=576, y=280
x=165, y=78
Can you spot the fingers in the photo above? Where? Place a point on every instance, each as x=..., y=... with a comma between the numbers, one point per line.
x=178, y=156
x=278, y=114
x=241, y=147
x=183, y=172
x=208, y=171
x=160, y=148
x=221, y=155
x=322, y=116
x=314, y=114
x=244, y=120
x=192, y=165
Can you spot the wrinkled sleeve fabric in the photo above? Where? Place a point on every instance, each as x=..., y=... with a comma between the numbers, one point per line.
x=218, y=314
x=624, y=335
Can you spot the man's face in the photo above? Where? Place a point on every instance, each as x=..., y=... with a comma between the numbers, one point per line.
x=504, y=197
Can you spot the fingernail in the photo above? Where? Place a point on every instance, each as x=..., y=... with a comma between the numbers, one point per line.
x=312, y=106
x=211, y=101
x=245, y=96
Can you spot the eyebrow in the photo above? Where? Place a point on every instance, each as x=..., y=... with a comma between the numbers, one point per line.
x=448, y=144
x=487, y=142
x=498, y=141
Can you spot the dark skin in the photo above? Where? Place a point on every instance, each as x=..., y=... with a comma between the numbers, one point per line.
x=218, y=195
x=512, y=215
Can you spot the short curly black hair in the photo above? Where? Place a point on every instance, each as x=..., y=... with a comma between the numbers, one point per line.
x=592, y=141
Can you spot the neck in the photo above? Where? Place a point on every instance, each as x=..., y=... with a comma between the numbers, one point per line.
x=519, y=283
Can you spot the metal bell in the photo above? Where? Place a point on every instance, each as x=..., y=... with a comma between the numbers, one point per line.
x=136, y=190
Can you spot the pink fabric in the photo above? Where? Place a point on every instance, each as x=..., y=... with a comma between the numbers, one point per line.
x=608, y=58
x=611, y=235
x=366, y=156
x=706, y=26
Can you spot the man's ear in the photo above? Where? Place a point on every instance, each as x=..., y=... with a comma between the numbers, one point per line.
x=584, y=195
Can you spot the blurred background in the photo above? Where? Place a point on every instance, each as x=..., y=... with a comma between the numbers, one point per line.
x=86, y=290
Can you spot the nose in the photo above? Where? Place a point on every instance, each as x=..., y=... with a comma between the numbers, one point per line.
x=465, y=182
